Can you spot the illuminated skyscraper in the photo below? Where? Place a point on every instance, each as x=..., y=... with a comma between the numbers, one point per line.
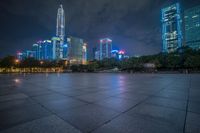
x=60, y=28
x=37, y=49
x=171, y=28
x=57, y=52
x=192, y=27
x=46, y=49
x=105, y=48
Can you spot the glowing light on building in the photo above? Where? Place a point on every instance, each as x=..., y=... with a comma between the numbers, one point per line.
x=121, y=52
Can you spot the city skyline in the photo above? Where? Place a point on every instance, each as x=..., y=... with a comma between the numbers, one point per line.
x=139, y=39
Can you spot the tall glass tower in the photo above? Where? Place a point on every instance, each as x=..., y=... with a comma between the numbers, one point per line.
x=172, y=28
x=60, y=28
x=192, y=27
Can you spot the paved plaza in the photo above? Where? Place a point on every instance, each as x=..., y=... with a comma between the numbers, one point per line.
x=100, y=103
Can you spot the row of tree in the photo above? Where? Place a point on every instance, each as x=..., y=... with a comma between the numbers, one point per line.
x=184, y=58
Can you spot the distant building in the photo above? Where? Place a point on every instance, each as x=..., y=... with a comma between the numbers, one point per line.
x=94, y=52
x=84, y=54
x=105, y=48
x=77, y=50
x=65, y=49
x=30, y=54
x=21, y=56
x=115, y=54
x=97, y=55
x=60, y=27
x=57, y=48
x=46, y=50
x=118, y=54
x=37, y=49
x=171, y=28
x=192, y=27
x=121, y=54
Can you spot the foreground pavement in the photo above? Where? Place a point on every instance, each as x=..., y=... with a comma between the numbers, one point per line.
x=100, y=103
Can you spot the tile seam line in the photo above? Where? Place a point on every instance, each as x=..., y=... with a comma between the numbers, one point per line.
x=58, y=116
x=129, y=109
x=185, y=121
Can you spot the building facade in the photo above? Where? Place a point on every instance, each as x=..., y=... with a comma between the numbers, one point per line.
x=46, y=49
x=60, y=28
x=37, y=48
x=192, y=27
x=77, y=50
x=172, y=28
x=57, y=48
x=105, y=48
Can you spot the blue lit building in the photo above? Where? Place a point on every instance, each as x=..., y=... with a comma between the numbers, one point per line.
x=118, y=54
x=36, y=48
x=21, y=56
x=171, y=28
x=65, y=48
x=105, y=48
x=57, y=48
x=97, y=55
x=30, y=54
x=46, y=49
x=192, y=27
x=115, y=54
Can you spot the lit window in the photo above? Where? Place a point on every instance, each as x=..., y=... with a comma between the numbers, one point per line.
x=195, y=16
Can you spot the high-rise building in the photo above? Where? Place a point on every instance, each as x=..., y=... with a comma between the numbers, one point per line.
x=76, y=50
x=57, y=52
x=105, y=48
x=94, y=50
x=46, y=49
x=60, y=28
x=172, y=28
x=192, y=27
x=65, y=49
x=37, y=49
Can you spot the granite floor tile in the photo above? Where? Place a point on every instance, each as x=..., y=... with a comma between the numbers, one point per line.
x=50, y=124
x=168, y=115
x=192, y=123
x=137, y=124
x=88, y=118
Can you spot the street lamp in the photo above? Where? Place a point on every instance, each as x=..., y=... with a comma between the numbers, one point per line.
x=17, y=61
x=41, y=62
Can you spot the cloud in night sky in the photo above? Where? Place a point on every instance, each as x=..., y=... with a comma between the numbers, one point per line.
x=134, y=25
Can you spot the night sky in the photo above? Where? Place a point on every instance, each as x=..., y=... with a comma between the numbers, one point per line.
x=133, y=25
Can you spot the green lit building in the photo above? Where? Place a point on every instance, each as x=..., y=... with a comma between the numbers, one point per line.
x=192, y=27
x=77, y=50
